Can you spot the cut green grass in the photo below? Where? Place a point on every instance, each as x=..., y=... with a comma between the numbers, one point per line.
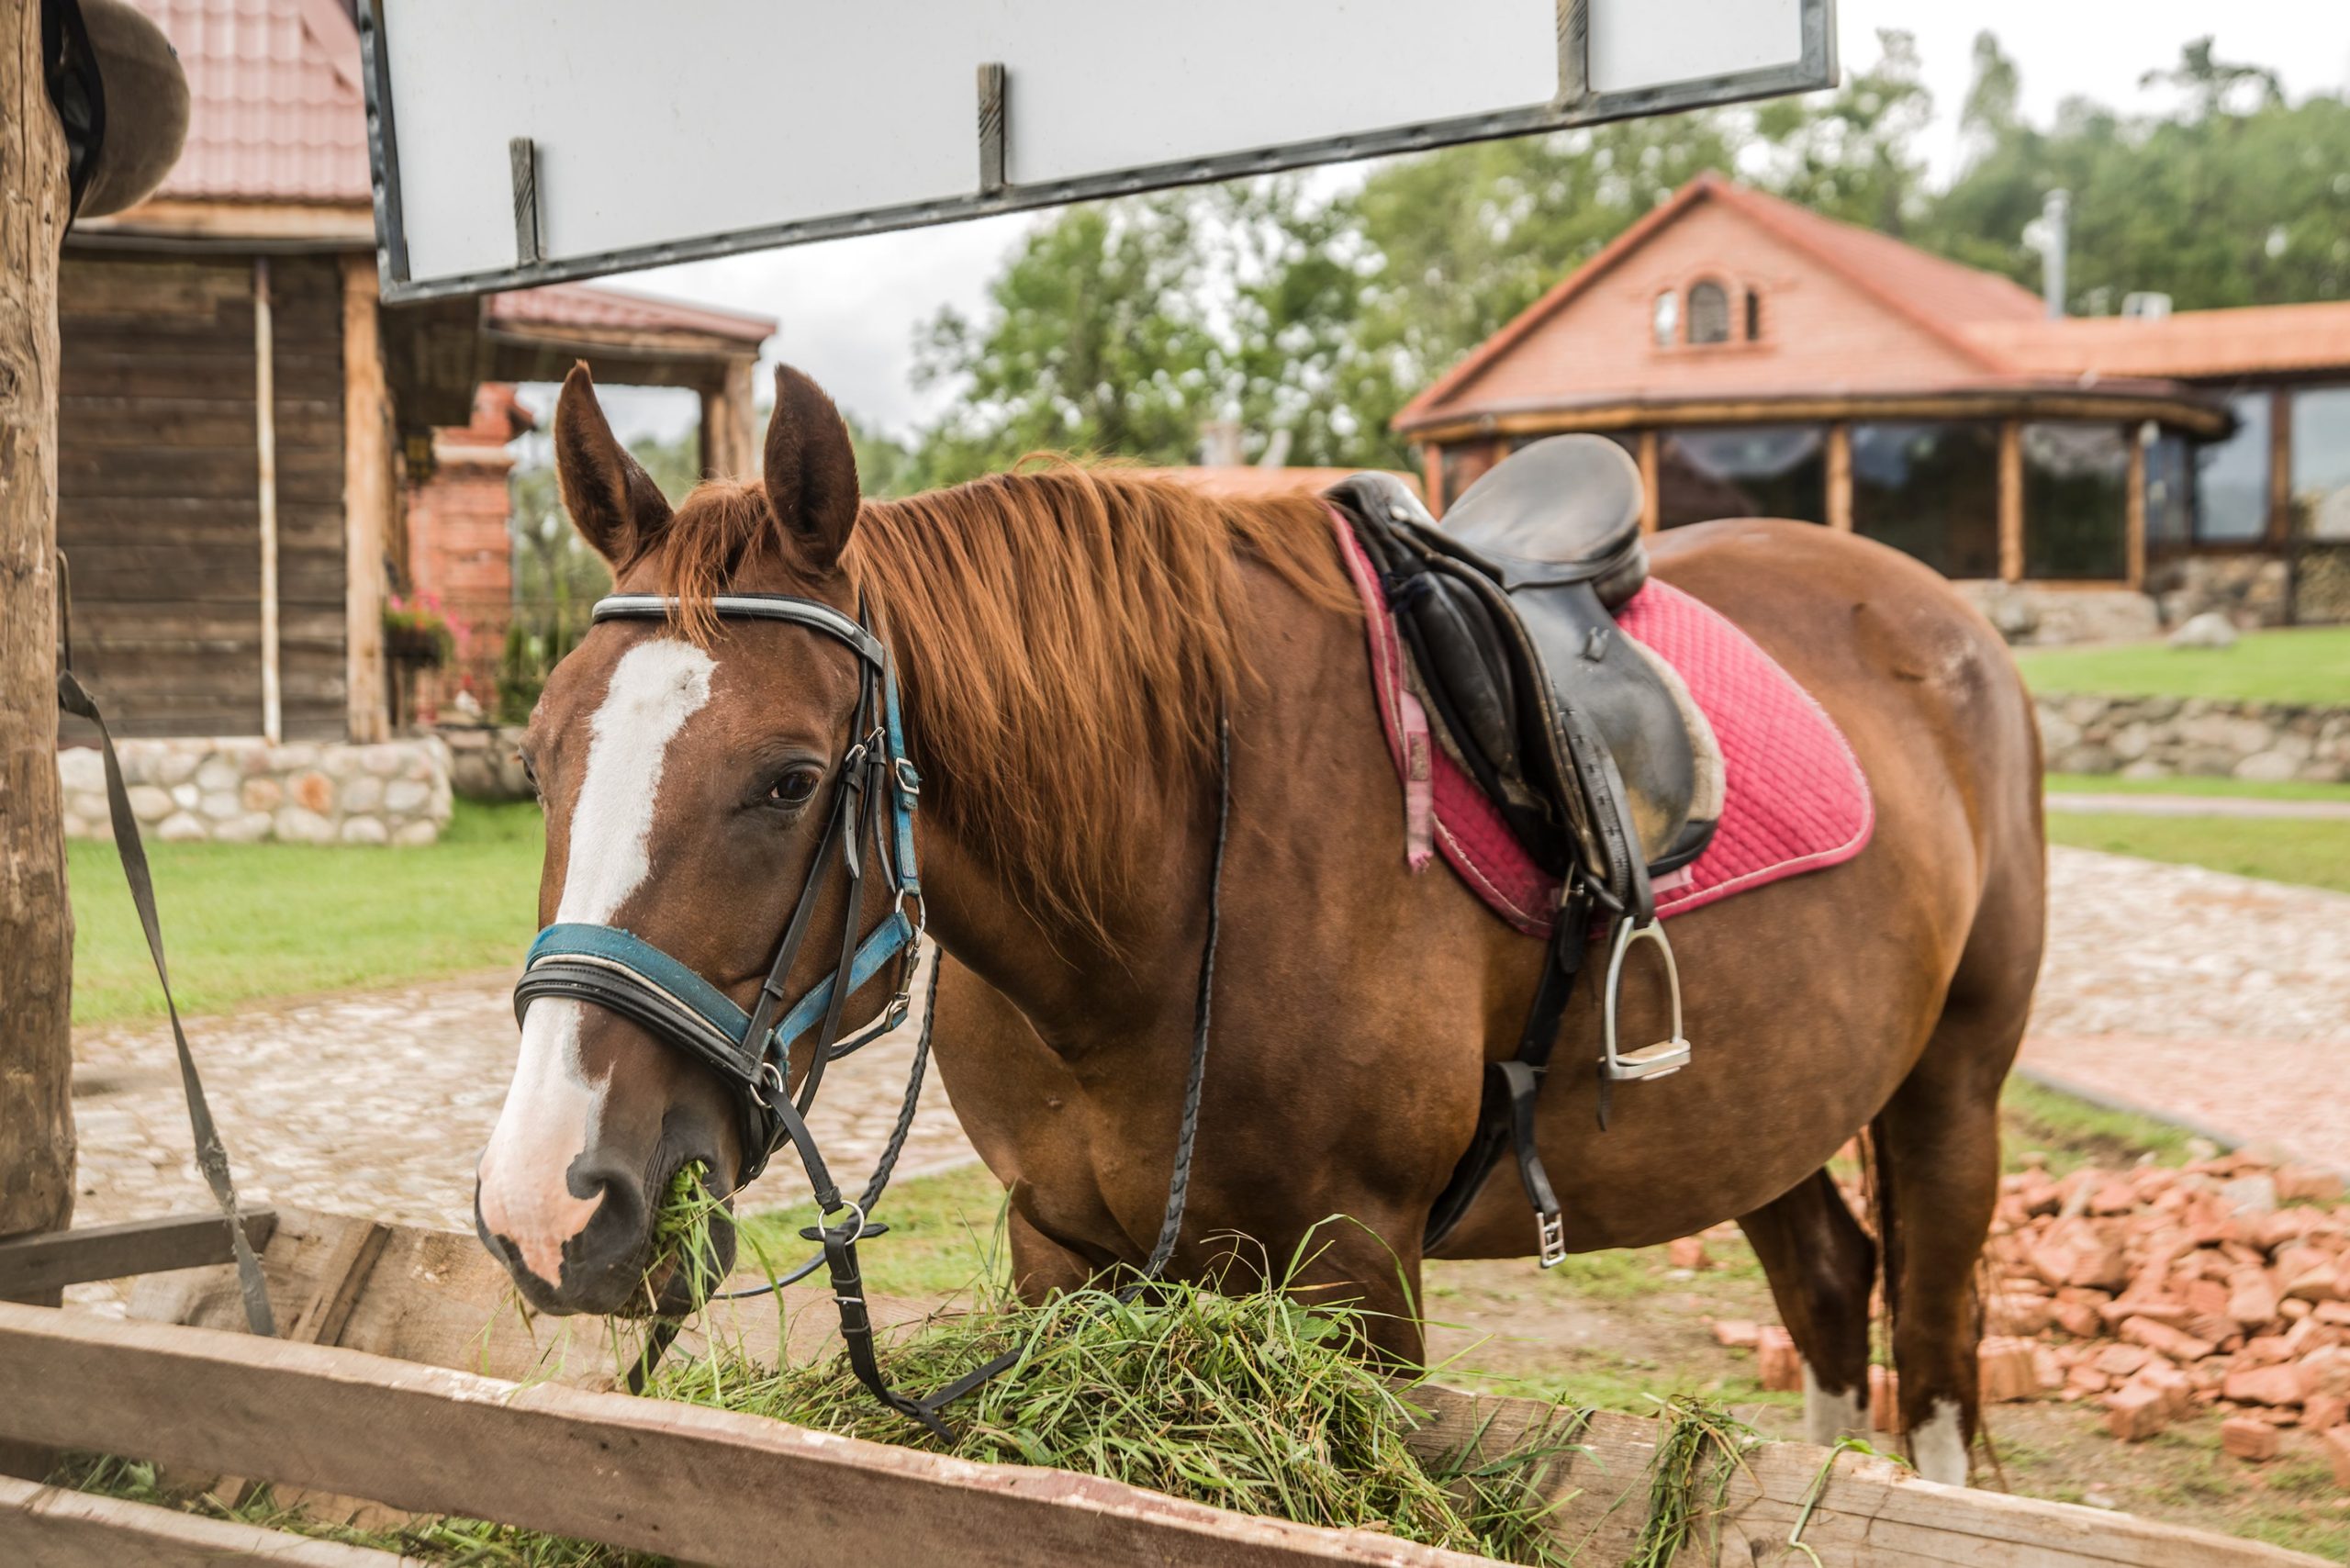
x=2316, y=853
x=245, y=921
x=2302, y=663
x=1257, y=1402
x=2208, y=788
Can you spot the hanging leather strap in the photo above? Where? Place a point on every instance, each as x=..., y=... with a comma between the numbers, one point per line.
x=211, y=1158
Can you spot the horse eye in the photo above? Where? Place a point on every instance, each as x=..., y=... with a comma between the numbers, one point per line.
x=795, y=787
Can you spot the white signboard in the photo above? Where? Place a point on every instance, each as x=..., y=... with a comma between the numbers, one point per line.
x=525, y=141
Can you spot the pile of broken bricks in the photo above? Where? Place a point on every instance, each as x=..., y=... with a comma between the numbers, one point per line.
x=2223, y=1285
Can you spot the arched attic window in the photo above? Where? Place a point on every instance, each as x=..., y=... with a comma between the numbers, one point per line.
x=1666, y=318
x=1708, y=312
x=1753, y=314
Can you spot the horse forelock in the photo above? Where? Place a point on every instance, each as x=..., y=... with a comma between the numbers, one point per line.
x=1067, y=637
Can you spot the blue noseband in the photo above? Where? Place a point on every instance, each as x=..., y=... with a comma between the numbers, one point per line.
x=873, y=806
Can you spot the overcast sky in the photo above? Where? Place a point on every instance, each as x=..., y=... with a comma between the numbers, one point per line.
x=849, y=309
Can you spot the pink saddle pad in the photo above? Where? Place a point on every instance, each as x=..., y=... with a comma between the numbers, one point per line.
x=1796, y=798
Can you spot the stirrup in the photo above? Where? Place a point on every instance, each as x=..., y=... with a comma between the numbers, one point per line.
x=1665, y=1057
x=1552, y=1229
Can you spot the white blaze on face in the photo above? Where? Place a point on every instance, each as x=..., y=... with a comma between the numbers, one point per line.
x=551, y=1107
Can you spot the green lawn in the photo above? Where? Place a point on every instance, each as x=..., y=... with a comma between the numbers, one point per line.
x=2280, y=849
x=2302, y=663
x=253, y=920
x=2238, y=789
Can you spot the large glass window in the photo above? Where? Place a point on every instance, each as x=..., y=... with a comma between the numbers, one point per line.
x=2232, y=477
x=2170, y=498
x=2322, y=461
x=1743, y=471
x=2075, y=501
x=1932, y=489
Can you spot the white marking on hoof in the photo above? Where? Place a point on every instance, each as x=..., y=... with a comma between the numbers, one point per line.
x=1939, y=1445
x=1830, y=1417
x=550, y=1108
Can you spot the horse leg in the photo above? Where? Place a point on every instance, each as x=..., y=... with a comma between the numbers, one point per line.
x=1039, y=1264
x=1938, y=1169
x=1822, y=1265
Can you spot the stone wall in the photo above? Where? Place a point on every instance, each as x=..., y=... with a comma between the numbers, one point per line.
x=2044, y=614
x=2252, y=587
x=241, y=790
x=485, y=761
x=2161, y=738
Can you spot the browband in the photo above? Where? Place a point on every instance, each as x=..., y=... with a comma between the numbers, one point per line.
x=799, y=612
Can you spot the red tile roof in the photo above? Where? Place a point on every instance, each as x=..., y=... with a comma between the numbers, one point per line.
x=559, y=305
x=1940, y=297
x=274, y=110
x=2194, y=344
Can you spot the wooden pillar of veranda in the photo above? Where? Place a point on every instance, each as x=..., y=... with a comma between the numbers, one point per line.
x=730, y=424
x=369, y=495
x=36, y=924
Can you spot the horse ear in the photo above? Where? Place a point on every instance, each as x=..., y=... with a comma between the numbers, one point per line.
x=612, y=500
x=810, y=469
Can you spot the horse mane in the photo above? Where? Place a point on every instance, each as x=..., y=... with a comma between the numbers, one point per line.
x=1067, y=638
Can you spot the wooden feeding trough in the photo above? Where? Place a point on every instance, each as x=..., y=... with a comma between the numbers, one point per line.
x=404, y=1383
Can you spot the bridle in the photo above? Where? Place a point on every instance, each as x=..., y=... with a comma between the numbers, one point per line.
x=873, y=804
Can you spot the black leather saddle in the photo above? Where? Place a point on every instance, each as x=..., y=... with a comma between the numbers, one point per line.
x=1591, y=747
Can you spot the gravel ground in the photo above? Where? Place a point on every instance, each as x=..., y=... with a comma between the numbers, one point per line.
x=2216, y=999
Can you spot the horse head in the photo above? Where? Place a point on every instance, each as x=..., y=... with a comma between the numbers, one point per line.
x=689, y=767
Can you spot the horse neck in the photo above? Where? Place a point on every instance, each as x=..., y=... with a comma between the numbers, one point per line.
x=1067, y=982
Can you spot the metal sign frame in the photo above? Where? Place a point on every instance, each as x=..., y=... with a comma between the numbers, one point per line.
x=1576, y=105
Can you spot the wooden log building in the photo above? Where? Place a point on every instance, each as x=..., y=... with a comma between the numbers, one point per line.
x=240, y=415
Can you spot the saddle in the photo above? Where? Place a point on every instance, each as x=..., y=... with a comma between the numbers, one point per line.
x=1589, y=745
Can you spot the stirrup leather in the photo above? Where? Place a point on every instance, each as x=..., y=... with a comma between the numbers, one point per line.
x=1665, y=1057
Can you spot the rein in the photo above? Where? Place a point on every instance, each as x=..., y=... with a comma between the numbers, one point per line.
x=873, y=806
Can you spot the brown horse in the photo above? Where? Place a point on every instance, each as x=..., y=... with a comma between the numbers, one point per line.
x=1067, y=639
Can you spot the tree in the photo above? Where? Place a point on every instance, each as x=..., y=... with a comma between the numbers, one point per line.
x=2235, y=198
x=1096, y=340
x=1850, y=155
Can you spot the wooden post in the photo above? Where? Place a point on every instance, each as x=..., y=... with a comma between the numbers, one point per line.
x=729, y=432
x=369, y=495
x=2280, y=468
x=2134, y=547
x=1652, y=494
x=2011, y=501
x=36, y=922
x=1839, y=476
x=1432, y=477
x=273, y=728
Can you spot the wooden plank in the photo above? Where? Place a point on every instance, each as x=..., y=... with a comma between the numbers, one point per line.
x=2011, y=501
x=48, y=1526
x=1651, y=486
x=705, y=1485
x=2196, y=414
x=1873, y=1513
x=33, y=1264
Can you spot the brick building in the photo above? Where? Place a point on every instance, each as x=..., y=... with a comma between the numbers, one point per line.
x=2082, y=477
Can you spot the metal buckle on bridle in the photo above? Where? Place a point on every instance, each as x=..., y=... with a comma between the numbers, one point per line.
x=1666, y=1055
